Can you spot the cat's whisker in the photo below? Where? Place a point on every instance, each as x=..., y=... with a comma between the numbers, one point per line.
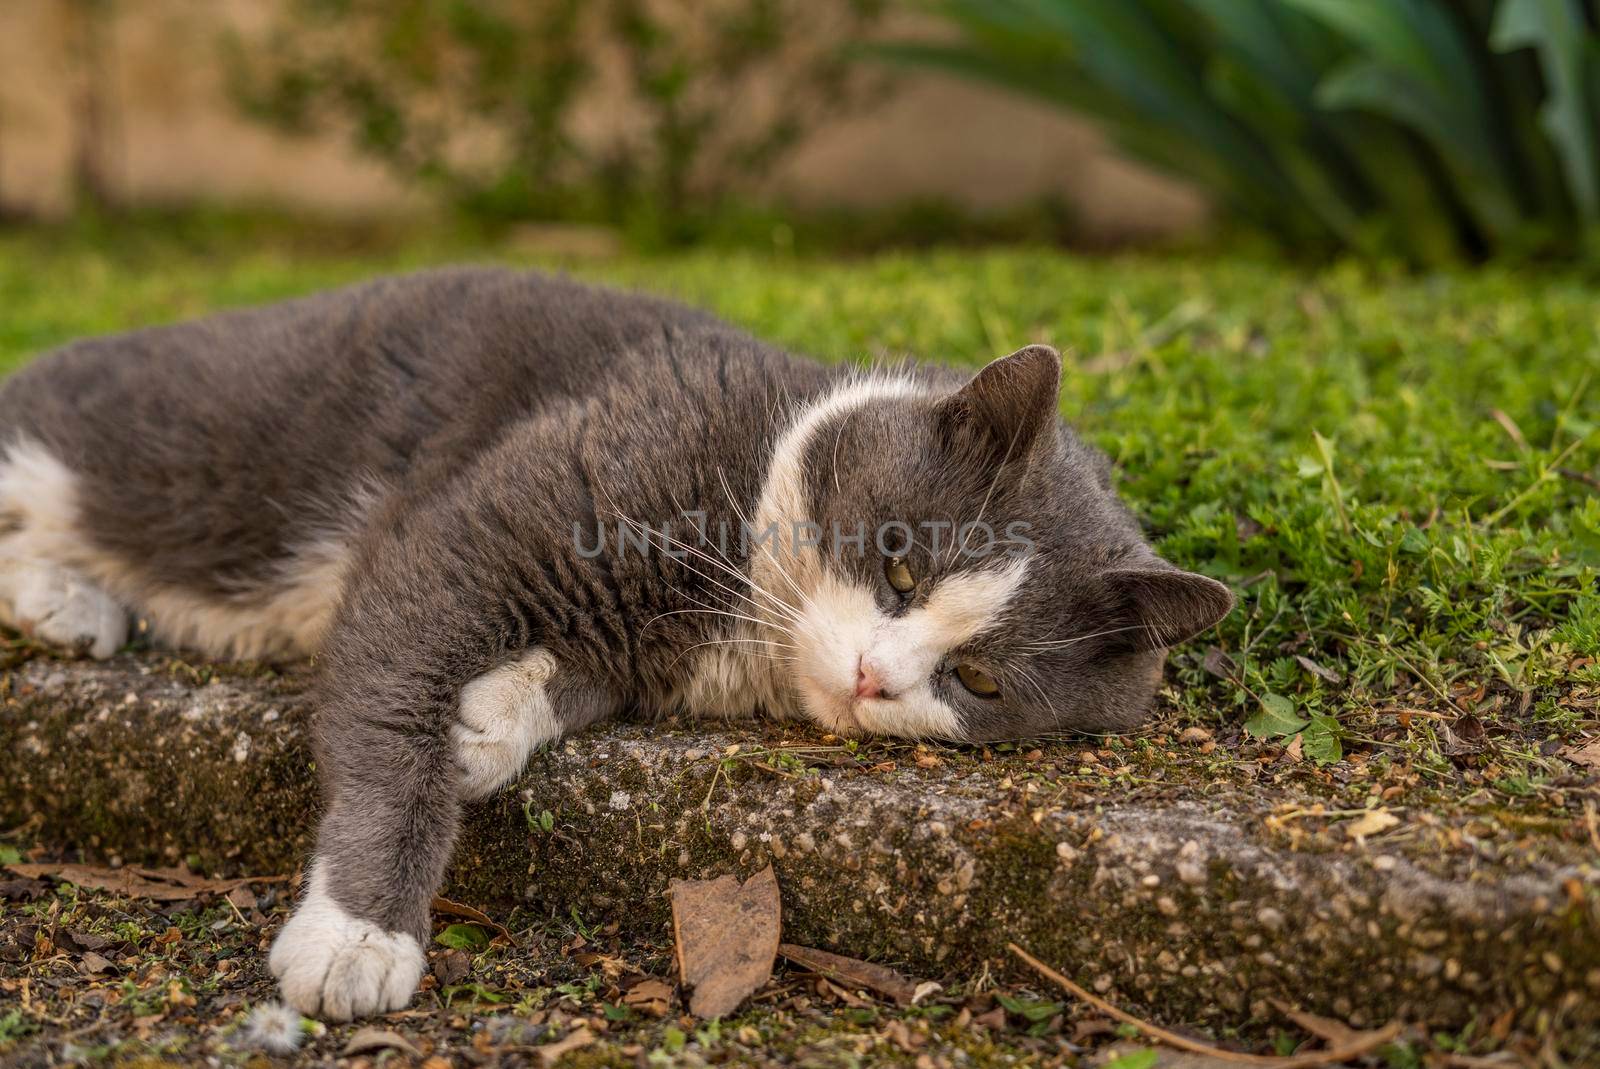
x=724, y=642
x=837, y=438
x=651, y=533
x=778, y=604
x=761, y=542
x=1046, y=647
x=711, y=612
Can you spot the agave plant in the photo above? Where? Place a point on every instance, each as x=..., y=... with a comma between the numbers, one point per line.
x=1432, y=129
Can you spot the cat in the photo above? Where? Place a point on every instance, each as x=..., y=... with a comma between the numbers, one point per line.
x=501, y=506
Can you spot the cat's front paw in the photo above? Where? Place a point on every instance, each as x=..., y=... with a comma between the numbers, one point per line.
x=64, y=609
x=335, y=966
x=503, y=715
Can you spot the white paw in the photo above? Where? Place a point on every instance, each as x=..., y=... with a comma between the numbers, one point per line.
x=64, y=609
x=332, y=965
x=503, y=715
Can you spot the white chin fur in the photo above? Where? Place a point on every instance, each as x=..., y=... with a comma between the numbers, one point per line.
x=843, y=624
x=332, y=965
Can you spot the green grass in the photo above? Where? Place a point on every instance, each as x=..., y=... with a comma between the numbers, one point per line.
x=1396, y=473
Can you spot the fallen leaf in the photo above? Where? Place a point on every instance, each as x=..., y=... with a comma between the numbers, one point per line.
x=368, y=1040
x=92, y=963
x=1218, y=663
x=1371, y=822
x=82, y=940
x=157, y=885
x=611, y=967
x=1463, y=737
x=850, y=972
x=451, y=967
x=828, y=989
x=551, y=1053
x=726, y=938
x=896, y=1031
x=23, y=890
x=650, y=996
x=1134, y=1056
x=1334, y=1033
x=477, y=916
x=463, y=937
x=1326, y=674
x=1293, y=751
x=994, y=1020
x=1587, y=755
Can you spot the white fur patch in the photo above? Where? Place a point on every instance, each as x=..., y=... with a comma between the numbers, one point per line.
x=839, y=623
x=784, y=569
x=843, y=628
x=61, y=607
x=286, y=617
x=504, y=714
x=272, y=1027
x=332, y=965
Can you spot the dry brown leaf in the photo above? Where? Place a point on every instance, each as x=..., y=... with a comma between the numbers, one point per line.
x=1334, y=1033
x=726, y=938
x=1587, y=755
x=1371, y=822
x=551, y=1053
x=1218, y=663
x=1326, y=674
x=469, y=913
x=451, y=967
x=92, y=963
x=368, y=1040
x=649, y=996
x=850, y=972
x=23, y=890
x=157, y=885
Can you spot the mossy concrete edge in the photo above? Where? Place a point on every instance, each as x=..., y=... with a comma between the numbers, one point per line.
x=1184, y=911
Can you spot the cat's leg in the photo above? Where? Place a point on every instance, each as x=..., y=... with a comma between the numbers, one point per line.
x=509, y=711
x=42, y=593
x=354, y=944
x=505, y=713
x=58, y=606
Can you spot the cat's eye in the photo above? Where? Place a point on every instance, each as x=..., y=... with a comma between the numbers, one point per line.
x=898, y=572
x=978, y=682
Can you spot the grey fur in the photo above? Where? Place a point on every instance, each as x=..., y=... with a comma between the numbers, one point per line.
x=479, y=414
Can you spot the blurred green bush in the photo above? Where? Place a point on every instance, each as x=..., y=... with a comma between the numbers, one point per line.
x=640, y=114
x=1429, y=129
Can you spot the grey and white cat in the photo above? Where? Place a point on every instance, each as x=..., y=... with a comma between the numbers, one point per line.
x=500, y=506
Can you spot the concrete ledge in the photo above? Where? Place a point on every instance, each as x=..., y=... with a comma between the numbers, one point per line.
x=1185, y=887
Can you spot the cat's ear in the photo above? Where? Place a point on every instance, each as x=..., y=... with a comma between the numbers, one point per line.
x=1159, y=606
x=1010, y=401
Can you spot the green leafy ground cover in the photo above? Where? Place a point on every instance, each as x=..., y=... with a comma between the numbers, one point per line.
x=1397, y=473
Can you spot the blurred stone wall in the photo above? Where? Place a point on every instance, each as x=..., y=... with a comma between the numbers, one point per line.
x=166, y=132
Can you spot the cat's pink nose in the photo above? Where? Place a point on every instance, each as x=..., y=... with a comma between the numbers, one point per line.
x=867, y=683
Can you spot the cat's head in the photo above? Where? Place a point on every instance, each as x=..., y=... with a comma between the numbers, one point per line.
x=974, y=576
